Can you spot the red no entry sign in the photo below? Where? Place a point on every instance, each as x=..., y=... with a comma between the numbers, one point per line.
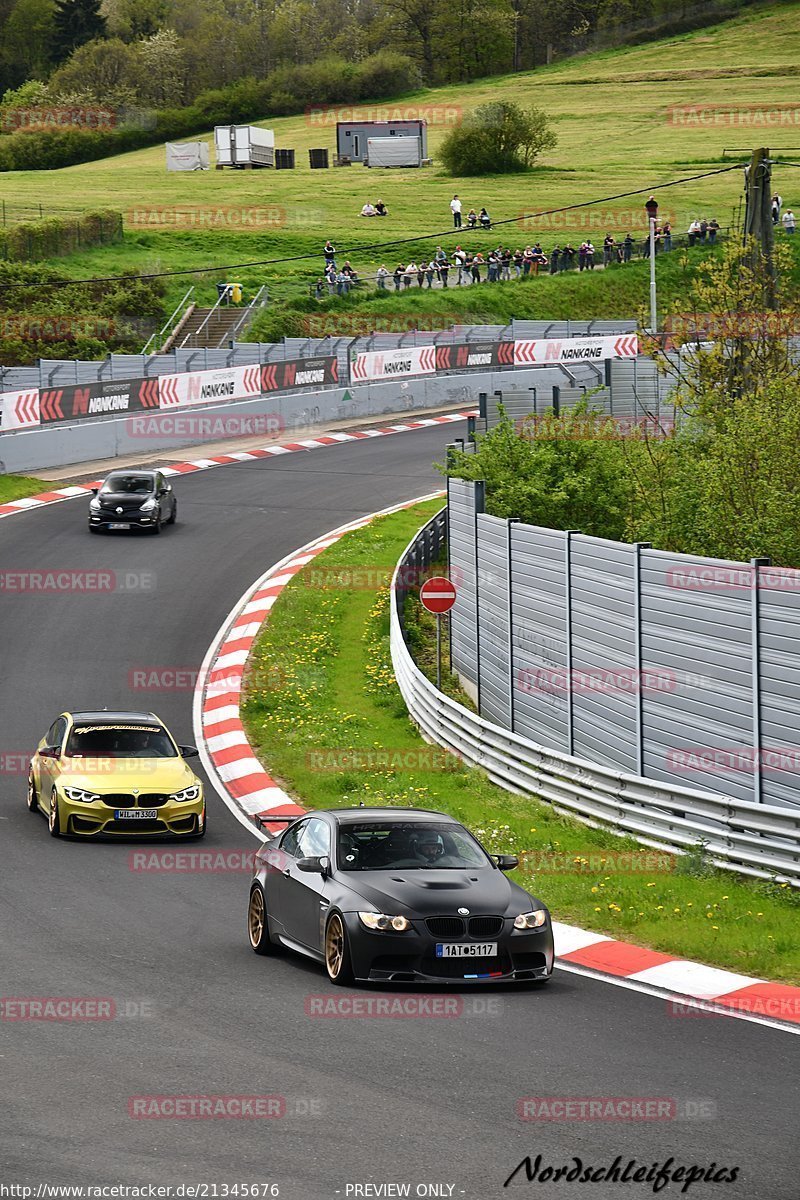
x=438, y=595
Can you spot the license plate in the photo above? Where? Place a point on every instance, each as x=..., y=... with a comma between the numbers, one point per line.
x=466, y=949
x=119, y=525
x=135, y=814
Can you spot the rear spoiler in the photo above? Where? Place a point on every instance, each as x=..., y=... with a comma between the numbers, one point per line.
x=265, y=819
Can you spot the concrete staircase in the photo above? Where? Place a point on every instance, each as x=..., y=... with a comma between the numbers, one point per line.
x=201, y=330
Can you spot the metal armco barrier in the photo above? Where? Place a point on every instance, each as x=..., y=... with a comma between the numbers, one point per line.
x=755, y=839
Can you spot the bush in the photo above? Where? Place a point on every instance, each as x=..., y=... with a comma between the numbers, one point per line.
x=497, y=138
x=31, y=241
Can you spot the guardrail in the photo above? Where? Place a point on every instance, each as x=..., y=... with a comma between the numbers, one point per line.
x=754, y=839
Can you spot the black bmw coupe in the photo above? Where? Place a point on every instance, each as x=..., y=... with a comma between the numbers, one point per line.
x=396, y=896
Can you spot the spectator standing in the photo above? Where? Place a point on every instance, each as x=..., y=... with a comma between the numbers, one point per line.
x=329, y=250
x=567, y=257
x=455, y=209
x=460, y=258
x=694, y=231
x=666, y=231
x=440, y=254
x=589, y=256
x=493, y=266
x=342, y=283
x=519, y=259
x=477, y=263
x=788, y=220
x=505, y=264
x=381, y=275
x=703, y=229
x=421, y=273
x=409, y=273
x=777, y=205
x=430, y=273
x=444, y=271
x=713, y=230
x=399, y=271
x=608, y=249
x=555, y=255
x=319, y=291
x=582, y=257
x=627, y=248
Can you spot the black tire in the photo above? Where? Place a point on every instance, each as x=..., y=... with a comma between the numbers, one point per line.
x=157, y=526
x=53, y=819
x=33, y=799
x=93, y=529
x=174, y=516
x=201, y=833
x=337, y=952
x=257, y=923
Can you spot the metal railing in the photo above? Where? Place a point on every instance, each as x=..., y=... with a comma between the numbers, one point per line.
x=259, y=300
x=754, y=839
x=156, y=337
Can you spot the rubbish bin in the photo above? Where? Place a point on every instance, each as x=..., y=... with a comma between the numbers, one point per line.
x=284, y=160
x=318, y=159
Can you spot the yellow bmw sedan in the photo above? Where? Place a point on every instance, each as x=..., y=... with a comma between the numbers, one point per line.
x=116, y=773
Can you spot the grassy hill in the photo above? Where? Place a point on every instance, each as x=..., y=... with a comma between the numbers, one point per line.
x=625, y=119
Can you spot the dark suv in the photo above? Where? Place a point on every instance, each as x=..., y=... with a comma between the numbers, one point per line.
x=133, y=500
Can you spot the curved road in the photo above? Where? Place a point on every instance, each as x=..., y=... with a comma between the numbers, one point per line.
x=373, y=1100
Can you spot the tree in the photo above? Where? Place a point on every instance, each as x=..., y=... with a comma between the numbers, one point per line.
x=102, y=73
x=497, y=138
x=75, y=23
x=28, y=36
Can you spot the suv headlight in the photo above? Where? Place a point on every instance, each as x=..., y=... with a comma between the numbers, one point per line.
x=189, y=793
x=375, y=920
x=149, y=504
x=531, y=920
x=76, y=793
x=94, y=504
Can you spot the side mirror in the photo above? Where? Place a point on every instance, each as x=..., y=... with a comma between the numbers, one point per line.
x=506, y=862
x=95, y=491
x=189, y=751
x=315, y=864
x=49, y=752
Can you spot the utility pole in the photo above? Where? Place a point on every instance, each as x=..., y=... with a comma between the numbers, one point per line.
x=758, y=216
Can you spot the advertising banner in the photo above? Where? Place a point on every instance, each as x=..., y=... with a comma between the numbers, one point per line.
x=205, y=387
x=461, y=356
x=106, y=398
x=393, y=364
x=19, y=410
x=566, y=350
x=299, y=373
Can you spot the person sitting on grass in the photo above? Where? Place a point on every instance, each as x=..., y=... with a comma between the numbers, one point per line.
x=381, y=210
x=472, y=219
x=369, y=210
x=485, y=219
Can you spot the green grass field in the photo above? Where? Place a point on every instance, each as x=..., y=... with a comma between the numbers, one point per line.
x=615, y=114
x=319, y=686
x=15, y=487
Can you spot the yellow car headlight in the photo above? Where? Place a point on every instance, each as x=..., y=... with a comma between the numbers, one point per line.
x=76, y=793
x=189, y=793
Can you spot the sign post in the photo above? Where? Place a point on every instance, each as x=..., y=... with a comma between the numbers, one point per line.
x=651, y=208
x=438, y=595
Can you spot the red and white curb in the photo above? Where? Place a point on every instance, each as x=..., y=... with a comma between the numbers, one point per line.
x=689, y=988
x=238, y=777
x=57, y=495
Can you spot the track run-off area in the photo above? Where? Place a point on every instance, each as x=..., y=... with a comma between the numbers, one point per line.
x=433, y=1097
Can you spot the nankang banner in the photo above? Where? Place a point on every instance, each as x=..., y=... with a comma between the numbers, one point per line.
x=110, y=397
x=465, y=356
x=19, y=410
x=566, y=350
x=205, y=387
x=393, y=364
x=299, y=373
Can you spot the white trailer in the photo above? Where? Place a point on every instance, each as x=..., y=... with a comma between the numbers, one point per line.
x=187, y=156
x=394, y=152
x=244, y=146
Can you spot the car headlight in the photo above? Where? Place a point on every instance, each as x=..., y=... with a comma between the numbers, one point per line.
x=376, y=920
x=149, y=504
x=531, y=920
x=189, y=793
x=94, y=504
x=76, y=793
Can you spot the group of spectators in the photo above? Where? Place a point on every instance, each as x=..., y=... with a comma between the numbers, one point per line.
x=787, y=219
x=473, y=219
x=378, y=209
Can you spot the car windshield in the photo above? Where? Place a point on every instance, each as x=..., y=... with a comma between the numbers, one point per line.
x=137, y=484
x=119, y=741
x=396, y=845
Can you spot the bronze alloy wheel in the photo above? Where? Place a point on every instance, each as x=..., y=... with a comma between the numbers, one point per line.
x=52, y=819
x=337, y=952
x=257, y=924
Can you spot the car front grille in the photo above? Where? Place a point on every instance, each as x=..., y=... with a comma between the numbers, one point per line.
x=459, y=968
x=136, y=827
x=485, y=926
x=445, y=926
x=126, y=800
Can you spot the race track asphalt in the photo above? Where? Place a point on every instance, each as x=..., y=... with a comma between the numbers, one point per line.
x=409, y=1100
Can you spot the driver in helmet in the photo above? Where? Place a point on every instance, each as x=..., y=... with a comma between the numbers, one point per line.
x=427, y=850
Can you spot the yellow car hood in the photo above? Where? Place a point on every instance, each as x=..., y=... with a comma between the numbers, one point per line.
x=125, y=774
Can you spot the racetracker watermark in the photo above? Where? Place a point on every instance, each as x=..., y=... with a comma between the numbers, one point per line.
x=192, y=862
x=426, y=758
x=779, y=1008
x=599, y=221
x=711, y=326
x=194, y=428
x=734, y=116
x=74, y=1008
x=59, y=327
x=371, y=578
x=745, y=760
x=325, y=116
x=71, y=116
x=224, y=216
x=17, y=762
x=206, y=1108
x=603, y=680
x=615, y=1108
x=693, y=578
x=591, y=427
x=596, y=862
x=355, y=324
x=396, y=1007
x=60, y=582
